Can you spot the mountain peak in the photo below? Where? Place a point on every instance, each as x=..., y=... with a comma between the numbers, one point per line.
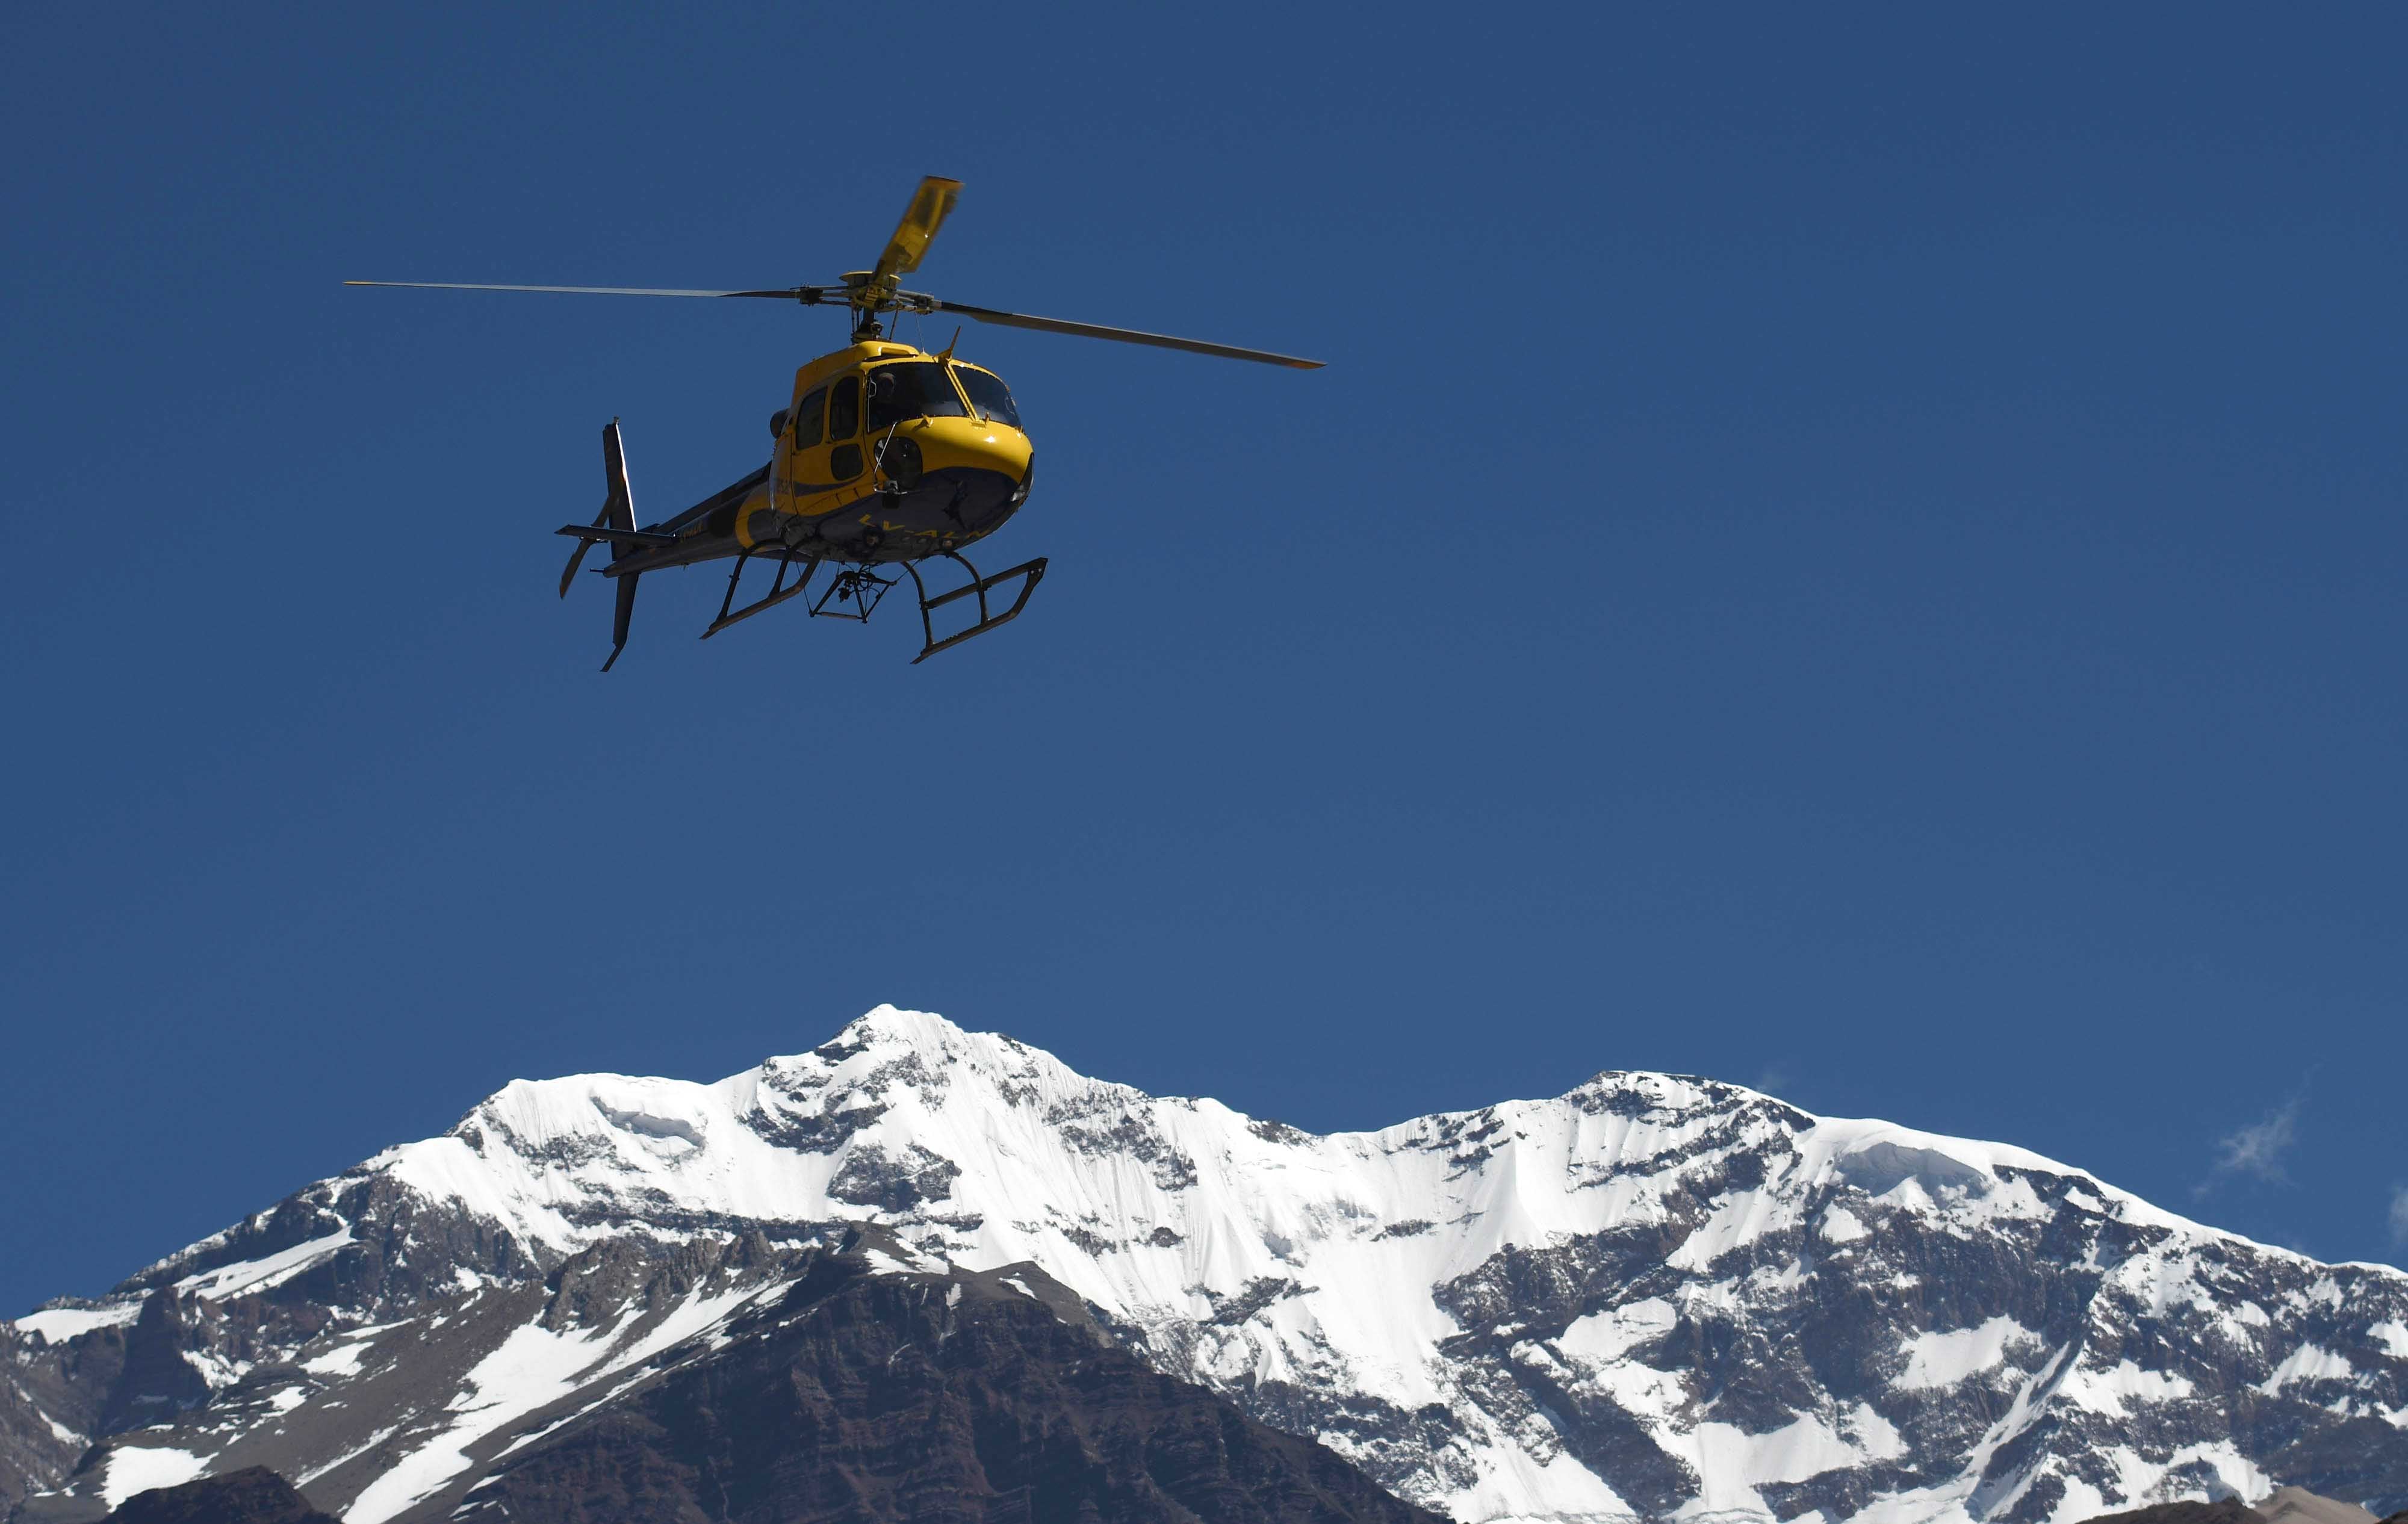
x=1656, y=1296
x=892, y=1024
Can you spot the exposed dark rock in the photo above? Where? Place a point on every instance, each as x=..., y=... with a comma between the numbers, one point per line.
x=1260, y=1292
x=926, y=1399
x=2359, y=1460
x=156, y=1382
x=403, y=1246
x=50, y=1403
x=1102, y=1122
x=2295, y=1504
x=2223, y=1511
x=256, y=1496
x=871, y=1176
x=812, y=1133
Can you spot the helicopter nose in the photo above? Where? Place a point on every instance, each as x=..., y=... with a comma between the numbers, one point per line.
x=967, y=444
x=950, y=480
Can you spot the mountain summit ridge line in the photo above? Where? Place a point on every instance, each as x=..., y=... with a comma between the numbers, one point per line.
x=1654, y=1296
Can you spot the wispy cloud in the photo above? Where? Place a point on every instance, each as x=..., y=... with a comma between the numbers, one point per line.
x=2256, y=1151
x=2400, y=1215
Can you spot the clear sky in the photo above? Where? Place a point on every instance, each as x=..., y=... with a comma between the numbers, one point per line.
x=1865, y=556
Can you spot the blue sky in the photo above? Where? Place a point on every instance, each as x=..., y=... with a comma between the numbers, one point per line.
x=1859, y=555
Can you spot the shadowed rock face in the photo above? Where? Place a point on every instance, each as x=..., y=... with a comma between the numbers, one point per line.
x=2285, y=1505
x=256, y=1496
x=926, y=1398
x=727, y=1383
x=2225, y=1511
x=2298, y=1505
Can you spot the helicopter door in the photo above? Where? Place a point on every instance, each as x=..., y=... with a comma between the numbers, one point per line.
x=801, y=465
x=844, y=429
x=809, y=416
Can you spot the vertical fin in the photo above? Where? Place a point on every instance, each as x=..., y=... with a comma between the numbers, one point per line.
x=620, y=507
x=621, y=615
x=619, y=510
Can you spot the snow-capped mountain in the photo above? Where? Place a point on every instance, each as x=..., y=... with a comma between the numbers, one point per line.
x=1653, y=1297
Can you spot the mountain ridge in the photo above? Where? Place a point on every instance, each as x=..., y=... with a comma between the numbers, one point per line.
x=1654, y=1296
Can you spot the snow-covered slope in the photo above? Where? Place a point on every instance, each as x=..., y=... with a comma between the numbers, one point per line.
x=1653, y=1297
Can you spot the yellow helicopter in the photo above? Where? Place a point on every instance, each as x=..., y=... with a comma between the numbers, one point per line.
x=886, y=456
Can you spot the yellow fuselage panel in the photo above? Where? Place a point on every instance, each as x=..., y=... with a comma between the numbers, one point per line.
x=853, y=357
x=838, y=472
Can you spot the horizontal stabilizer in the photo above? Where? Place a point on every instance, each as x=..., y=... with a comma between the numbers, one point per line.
x=600, y=535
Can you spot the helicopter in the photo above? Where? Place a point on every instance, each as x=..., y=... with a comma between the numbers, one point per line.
x=885, y=457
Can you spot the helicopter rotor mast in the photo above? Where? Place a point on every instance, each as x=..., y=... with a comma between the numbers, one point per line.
x=874, y=290
x=878, y=290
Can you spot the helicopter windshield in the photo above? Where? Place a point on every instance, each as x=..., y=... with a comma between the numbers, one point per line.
x=915, y=389
x=988, y=395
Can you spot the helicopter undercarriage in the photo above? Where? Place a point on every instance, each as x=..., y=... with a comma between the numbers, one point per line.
x=918, y=517
x=854, y=592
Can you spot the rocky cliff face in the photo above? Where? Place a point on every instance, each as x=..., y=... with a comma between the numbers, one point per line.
x=936, y=1396
x=256, y=1496
x=1654, y=1297
x=735, y=1380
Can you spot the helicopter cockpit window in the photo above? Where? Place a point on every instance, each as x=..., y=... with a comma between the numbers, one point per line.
x=988, y=395
x=808, y=414
x=915, y=389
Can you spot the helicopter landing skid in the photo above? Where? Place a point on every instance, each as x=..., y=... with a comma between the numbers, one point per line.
x=855, y=593
x=1029, y=571
x=779, y=593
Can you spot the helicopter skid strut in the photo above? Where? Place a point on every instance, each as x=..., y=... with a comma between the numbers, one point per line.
x=1031, y=571
x=779, y=593
x=856, y=593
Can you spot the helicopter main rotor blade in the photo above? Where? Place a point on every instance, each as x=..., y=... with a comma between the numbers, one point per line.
x=921, y=219
x=1125, y=335
x=807, y=294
